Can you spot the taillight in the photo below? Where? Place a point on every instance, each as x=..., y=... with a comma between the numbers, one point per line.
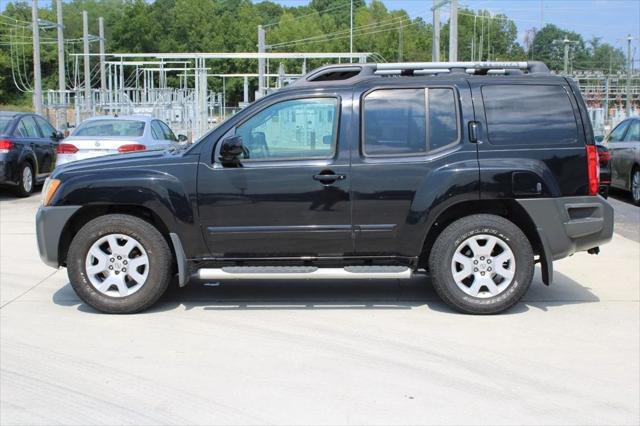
x=132, y=147
x=67, y=148
x=593, y=169
x=604, y=156
x=5, y=146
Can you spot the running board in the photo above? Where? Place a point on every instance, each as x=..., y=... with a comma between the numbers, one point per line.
x=303, y=272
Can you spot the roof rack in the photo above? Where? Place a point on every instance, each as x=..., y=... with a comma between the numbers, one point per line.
x=347, y=72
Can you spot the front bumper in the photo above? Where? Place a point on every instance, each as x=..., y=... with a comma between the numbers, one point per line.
x=50, y=222
x=570, y=224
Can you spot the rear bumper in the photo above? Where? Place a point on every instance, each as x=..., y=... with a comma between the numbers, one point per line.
x=50, y=221
x=570, y=224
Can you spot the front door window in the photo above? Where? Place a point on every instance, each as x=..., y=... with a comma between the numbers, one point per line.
x=293, y=129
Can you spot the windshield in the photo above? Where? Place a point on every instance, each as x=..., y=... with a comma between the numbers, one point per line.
x=4, y=123
x=126, y=128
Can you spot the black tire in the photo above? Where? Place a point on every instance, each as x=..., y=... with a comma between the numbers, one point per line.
x=635, y=194
x=158, y=252
x=443, y=250
x=25, y=189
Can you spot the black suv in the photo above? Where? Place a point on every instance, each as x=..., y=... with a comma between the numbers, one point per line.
x=28, y=146
x=473, y=172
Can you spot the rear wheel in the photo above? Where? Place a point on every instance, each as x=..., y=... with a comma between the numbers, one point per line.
x=26, y=180
x=635, y=185
x=481, y=264
x=119, y=264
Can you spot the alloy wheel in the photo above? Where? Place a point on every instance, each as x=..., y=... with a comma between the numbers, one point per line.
x=117, y=265
x=483, y=266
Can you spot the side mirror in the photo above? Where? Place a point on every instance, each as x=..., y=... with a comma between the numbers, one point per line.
x=58, y=135
x=231, y=149
x=182, y=138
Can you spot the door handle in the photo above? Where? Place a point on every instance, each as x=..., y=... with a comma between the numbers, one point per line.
x=328, y=177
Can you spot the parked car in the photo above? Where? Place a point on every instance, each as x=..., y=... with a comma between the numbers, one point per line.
x=347, y=174
x=116, y=135
x=624, y=144
x=604, y=158
x=27, y=150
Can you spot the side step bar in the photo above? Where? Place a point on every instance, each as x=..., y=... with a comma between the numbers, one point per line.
x=303, y=272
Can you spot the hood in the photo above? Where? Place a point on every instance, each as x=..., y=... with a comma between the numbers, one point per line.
x=125, y=160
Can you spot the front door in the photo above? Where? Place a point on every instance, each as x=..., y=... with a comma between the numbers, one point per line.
x=289, y=195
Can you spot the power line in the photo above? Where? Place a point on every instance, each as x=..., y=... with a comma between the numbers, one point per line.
x=317, y=12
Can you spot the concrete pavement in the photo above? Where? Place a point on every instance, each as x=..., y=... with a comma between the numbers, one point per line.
x=318, y=353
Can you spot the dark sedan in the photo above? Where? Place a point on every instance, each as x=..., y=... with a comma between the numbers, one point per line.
x=28, y=145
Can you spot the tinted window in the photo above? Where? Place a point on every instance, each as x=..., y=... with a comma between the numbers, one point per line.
x=618, y=133
x=443, y=120
x=156, y=131
x=47, y=129
x=4, y=123
x=529, y=115
x=394, y=122
x=300, y=128
x=633, y=135
x=166, y=131
x=127, y=128
x=28, y=128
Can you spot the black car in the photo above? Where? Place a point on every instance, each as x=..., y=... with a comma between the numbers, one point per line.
x=28, y=145
x=472, y=172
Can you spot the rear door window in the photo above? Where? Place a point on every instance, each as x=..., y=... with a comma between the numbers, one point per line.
x=526, y=115
x=398, y=122
x=633, y=134
x=618, y=133
x=28, y=128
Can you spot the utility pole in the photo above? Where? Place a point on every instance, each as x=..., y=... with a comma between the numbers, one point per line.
x=37, y=77
x=87, y=70
x=103, y=75
x=567, y=43
x=400, y=43
x=351, y=32
x=261, y=49
x=453, y=32
x=629, y=38
x=61, y=76
x=435, y=51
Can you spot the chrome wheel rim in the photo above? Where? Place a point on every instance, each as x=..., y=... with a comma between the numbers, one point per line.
x=483, y=266
x=117, y=265
x=27, y=179
x=635, y=186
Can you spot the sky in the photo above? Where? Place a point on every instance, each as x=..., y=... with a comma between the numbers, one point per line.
x=612, y=20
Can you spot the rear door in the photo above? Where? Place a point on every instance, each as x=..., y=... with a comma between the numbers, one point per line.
x=411, y=159
x=531, y=137
x=28, y=133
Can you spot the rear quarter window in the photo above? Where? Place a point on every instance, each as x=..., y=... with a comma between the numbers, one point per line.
x=529, y=115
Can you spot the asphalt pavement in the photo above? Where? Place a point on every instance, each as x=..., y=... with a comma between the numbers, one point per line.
x=361, y=352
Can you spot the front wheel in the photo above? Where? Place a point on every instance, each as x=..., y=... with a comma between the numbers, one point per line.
x=119, y=264
x=481, y=264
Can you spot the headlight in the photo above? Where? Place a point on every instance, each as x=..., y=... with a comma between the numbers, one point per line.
x=48, y=190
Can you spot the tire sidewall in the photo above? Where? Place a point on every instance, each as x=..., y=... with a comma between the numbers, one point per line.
x=519, y=245
x=21, y=189
x=157, y=278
